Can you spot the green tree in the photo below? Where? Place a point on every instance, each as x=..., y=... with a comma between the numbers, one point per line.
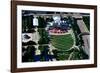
x=41, y=22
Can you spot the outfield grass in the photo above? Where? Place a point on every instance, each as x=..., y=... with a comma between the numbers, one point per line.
x=62, y=42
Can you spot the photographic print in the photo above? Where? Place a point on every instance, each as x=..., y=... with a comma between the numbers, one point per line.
x=53, y=36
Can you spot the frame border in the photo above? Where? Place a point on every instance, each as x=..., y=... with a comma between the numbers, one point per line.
x=14, y=35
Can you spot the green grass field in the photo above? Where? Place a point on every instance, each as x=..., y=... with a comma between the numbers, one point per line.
x=62, y=42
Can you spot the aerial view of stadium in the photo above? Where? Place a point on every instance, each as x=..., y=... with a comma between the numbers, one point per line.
x=55, y=36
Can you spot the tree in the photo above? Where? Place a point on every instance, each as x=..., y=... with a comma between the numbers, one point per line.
x=27, y=22
x=41, y=22
x=44, y=39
